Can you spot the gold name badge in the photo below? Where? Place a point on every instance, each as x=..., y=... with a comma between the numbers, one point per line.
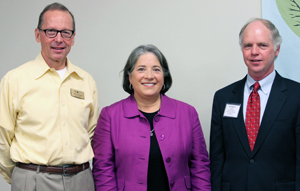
x=77, y=94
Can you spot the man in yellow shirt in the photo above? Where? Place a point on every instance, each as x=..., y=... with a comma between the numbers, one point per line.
x=48, y=113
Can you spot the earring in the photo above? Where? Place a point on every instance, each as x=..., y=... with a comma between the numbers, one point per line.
x=164, y=87
x=130, y=86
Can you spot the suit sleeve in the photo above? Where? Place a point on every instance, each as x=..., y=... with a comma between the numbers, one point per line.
x=297, y=178
x=217, y=152
x=103, y=162
x=7, y=124
x=199, y=163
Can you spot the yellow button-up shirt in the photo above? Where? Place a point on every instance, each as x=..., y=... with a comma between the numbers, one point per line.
x=45, y=119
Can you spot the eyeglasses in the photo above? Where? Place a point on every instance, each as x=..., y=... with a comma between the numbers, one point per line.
x=52, y=33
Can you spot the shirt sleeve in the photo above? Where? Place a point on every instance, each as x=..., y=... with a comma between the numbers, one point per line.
x=94, y=114
x=7, y=124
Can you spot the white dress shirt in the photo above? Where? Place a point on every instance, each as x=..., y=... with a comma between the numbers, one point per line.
x=263, y=91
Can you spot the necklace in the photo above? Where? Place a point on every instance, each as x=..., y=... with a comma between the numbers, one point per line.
x=151, y=132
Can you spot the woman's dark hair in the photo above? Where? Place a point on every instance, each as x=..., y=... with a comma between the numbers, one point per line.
x=134, y=56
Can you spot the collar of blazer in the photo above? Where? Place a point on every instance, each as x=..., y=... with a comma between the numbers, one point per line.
x=167, y=108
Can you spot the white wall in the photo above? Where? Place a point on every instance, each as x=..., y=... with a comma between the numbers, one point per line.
x=199, y=39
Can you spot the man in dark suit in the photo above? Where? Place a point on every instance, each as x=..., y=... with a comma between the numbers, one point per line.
x=255, y=129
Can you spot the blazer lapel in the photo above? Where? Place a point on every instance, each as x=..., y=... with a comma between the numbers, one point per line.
x=273, y=107
x=239, y=124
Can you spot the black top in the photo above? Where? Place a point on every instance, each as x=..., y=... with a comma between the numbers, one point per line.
x=157, y=176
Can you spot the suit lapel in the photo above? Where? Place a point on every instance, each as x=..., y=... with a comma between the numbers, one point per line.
x=273, y=107
x=239, y=124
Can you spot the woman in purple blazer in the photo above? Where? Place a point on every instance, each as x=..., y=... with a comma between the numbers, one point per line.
x=149, y=141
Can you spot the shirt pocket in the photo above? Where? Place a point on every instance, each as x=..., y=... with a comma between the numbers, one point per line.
x=285, y=186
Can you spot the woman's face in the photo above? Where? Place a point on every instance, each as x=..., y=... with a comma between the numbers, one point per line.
x=147, y=77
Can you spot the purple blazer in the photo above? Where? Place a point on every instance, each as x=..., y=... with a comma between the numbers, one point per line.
x=121, y=145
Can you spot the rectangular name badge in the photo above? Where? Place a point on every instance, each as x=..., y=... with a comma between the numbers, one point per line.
x=77, y=94
x=232, y=110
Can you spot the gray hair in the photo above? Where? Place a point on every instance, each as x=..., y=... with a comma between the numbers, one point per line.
x=54, y=6
x=131, y=62
x=275, y=37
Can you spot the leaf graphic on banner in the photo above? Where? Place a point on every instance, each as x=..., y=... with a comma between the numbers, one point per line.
x=290, y=12
x=295, y=12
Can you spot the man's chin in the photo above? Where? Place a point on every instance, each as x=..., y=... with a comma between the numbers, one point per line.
x=59, y=57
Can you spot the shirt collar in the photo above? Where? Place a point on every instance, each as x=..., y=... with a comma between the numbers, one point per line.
x=73, y=69
x=41, y=67
x=265, y=83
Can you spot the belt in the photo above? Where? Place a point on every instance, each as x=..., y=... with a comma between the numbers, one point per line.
x=64, y=170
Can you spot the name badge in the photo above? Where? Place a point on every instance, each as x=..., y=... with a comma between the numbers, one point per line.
x=232, y=110
x=76, y=93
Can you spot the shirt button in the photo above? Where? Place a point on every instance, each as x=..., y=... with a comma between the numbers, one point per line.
x=252, y=161
x=63, y=104
x=168, y=160
x=162, y=137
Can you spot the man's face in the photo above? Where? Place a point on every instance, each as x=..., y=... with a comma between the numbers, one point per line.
x=258, y=50
x=55, y=50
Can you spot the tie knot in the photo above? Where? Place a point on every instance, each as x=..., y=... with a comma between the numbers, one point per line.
x=256, y=86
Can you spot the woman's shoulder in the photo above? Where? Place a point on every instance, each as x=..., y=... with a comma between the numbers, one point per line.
x=121, y=105
x=178, y=104
x=116, y=104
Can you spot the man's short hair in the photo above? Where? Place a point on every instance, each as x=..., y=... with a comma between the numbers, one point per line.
x=276, y=38
x=54, y=6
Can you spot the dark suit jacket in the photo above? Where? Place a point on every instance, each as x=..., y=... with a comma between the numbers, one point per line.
x=274, y=164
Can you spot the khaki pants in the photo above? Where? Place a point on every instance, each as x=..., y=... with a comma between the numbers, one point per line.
x=26, y=180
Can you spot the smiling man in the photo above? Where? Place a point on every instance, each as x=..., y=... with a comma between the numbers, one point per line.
x=255, y=125
x=48, y=113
